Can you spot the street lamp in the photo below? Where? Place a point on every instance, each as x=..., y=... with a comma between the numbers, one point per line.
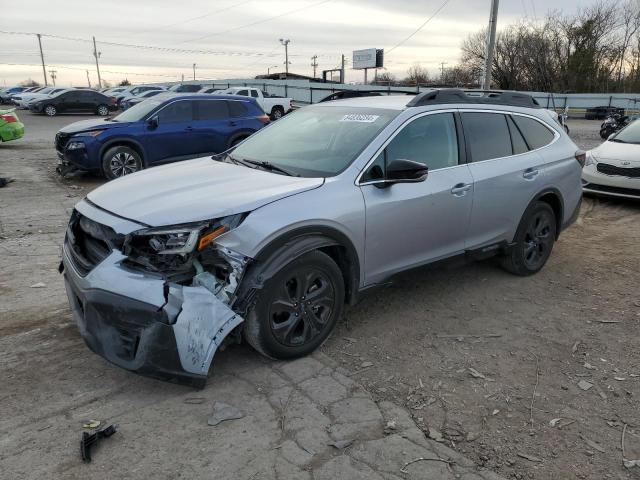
x=269, y=68
x=285, y=42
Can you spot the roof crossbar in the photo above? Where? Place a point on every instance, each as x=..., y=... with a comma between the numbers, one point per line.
x=483, y=97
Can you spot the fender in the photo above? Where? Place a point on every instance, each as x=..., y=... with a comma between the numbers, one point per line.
x=291, y=245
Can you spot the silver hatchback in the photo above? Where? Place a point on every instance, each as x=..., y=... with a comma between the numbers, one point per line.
x=268, y=241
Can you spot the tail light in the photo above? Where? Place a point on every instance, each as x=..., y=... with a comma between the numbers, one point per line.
x=264, y=118
x=581, y=157
x=9, y=117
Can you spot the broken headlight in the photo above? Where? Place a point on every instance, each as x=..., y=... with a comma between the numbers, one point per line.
x=172, y=248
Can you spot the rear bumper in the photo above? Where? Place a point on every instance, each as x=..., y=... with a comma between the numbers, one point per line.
x=12, y=131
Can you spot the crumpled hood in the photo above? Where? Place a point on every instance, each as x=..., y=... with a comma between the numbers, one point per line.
x=85, y=125
x=195, y=190
x=618, y=154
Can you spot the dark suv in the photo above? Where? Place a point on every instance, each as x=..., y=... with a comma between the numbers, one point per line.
x=166, y=128
x=75, y=101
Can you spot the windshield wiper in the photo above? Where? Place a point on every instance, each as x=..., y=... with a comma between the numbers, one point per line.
x=617, y=140
x=269, y=166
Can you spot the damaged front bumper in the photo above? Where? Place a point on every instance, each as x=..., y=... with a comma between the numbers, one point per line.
x=142, y=322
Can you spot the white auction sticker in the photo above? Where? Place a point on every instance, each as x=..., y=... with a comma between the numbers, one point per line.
x=360, y=117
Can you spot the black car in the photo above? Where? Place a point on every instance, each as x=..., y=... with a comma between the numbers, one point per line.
x=75, y=101
x=600, y=113
x=186, y=88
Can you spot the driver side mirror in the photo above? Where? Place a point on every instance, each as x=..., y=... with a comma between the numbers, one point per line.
x=153, y=122
x=402, y=170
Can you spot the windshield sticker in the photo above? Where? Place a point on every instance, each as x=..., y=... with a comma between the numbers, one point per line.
x=359, y=117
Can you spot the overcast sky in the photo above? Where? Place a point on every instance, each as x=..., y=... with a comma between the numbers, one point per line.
x=241, y=39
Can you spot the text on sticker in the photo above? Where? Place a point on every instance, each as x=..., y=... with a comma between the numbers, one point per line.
x=359, y=117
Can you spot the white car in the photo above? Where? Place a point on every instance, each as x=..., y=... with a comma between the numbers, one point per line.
x=22, y=101
x=613, y=168
x=276, y=107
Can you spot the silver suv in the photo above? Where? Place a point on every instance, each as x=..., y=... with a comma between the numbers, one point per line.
x=268, y=241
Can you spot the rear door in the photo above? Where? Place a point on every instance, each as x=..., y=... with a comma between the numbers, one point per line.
x=410, y=224
x=213, y=126
x=507, y=173
x=173, y=138
x=69, y=102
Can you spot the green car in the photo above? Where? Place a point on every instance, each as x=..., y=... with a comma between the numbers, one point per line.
x=11, y=128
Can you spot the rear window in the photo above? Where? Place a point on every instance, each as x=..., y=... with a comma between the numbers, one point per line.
x=488, y=135
x=238, y=109
x=536, y=134
x=519, y=145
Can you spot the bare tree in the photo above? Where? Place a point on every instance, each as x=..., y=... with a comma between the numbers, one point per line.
x=417, y=75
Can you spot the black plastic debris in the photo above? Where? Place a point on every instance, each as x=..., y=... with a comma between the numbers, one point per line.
x=5, y=181
x=89, y=440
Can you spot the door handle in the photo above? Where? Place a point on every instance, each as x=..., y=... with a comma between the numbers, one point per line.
x=530, y=173
x=461, y=189
x=232, y=124
x=189, y=128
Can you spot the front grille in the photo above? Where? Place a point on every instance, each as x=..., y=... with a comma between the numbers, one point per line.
x=608, y=169
x=61, y=141
x=89, y=242
x=607, y=189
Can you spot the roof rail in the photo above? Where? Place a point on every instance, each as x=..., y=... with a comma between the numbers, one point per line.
x=486, y=97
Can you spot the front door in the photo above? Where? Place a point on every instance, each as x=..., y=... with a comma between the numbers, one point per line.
x=410, y=224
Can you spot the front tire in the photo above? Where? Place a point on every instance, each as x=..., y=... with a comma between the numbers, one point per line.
x=533, y=242
x=102, y=110
x=120, y=161
x=297, y=308
x=50, y=110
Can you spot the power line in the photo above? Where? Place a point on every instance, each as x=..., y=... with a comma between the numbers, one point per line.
x=192, y=19
x=419, y=28
x=258, y=22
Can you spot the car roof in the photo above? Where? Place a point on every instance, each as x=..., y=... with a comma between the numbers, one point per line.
x=200, y=96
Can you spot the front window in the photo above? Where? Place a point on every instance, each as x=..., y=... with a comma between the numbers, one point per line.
x=316, y=141
x=137, y=112
x=629, y=134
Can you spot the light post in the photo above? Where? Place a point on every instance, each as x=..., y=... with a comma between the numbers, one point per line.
x=269, y=68
x=285, y=42
x=194, y=71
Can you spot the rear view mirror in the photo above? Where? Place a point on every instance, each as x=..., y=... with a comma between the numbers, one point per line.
x=404, y=171
x=153, y=122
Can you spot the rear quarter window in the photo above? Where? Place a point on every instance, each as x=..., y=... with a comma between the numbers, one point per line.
x=533, y=131
x=238, y=109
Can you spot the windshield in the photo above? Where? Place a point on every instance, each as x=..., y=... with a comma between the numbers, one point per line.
x=629, y=134
x=316, y=141
x=137, y=112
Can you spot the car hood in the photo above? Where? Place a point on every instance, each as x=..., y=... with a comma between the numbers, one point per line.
x=619, y=154
x=195, y=190
x=85, y=125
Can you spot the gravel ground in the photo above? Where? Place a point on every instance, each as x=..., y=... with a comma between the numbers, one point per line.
x=485, y=362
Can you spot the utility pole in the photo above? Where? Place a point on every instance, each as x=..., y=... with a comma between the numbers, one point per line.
x=194, y=71
x=491, y=44
x=44, y=70
x=53, y=76
x=88, y=80
x=97, y=54
x=314, y=64
x=285, y=42
x=342, y=70
x=442, y=64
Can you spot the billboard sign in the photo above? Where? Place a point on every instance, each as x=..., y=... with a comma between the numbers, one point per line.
x=368, y=58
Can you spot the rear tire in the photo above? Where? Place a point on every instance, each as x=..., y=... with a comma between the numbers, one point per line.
x=533, y=242
x=120, y=161
x=102, y=110
x=297, y=308
x=50, y=110
x=277, y=113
